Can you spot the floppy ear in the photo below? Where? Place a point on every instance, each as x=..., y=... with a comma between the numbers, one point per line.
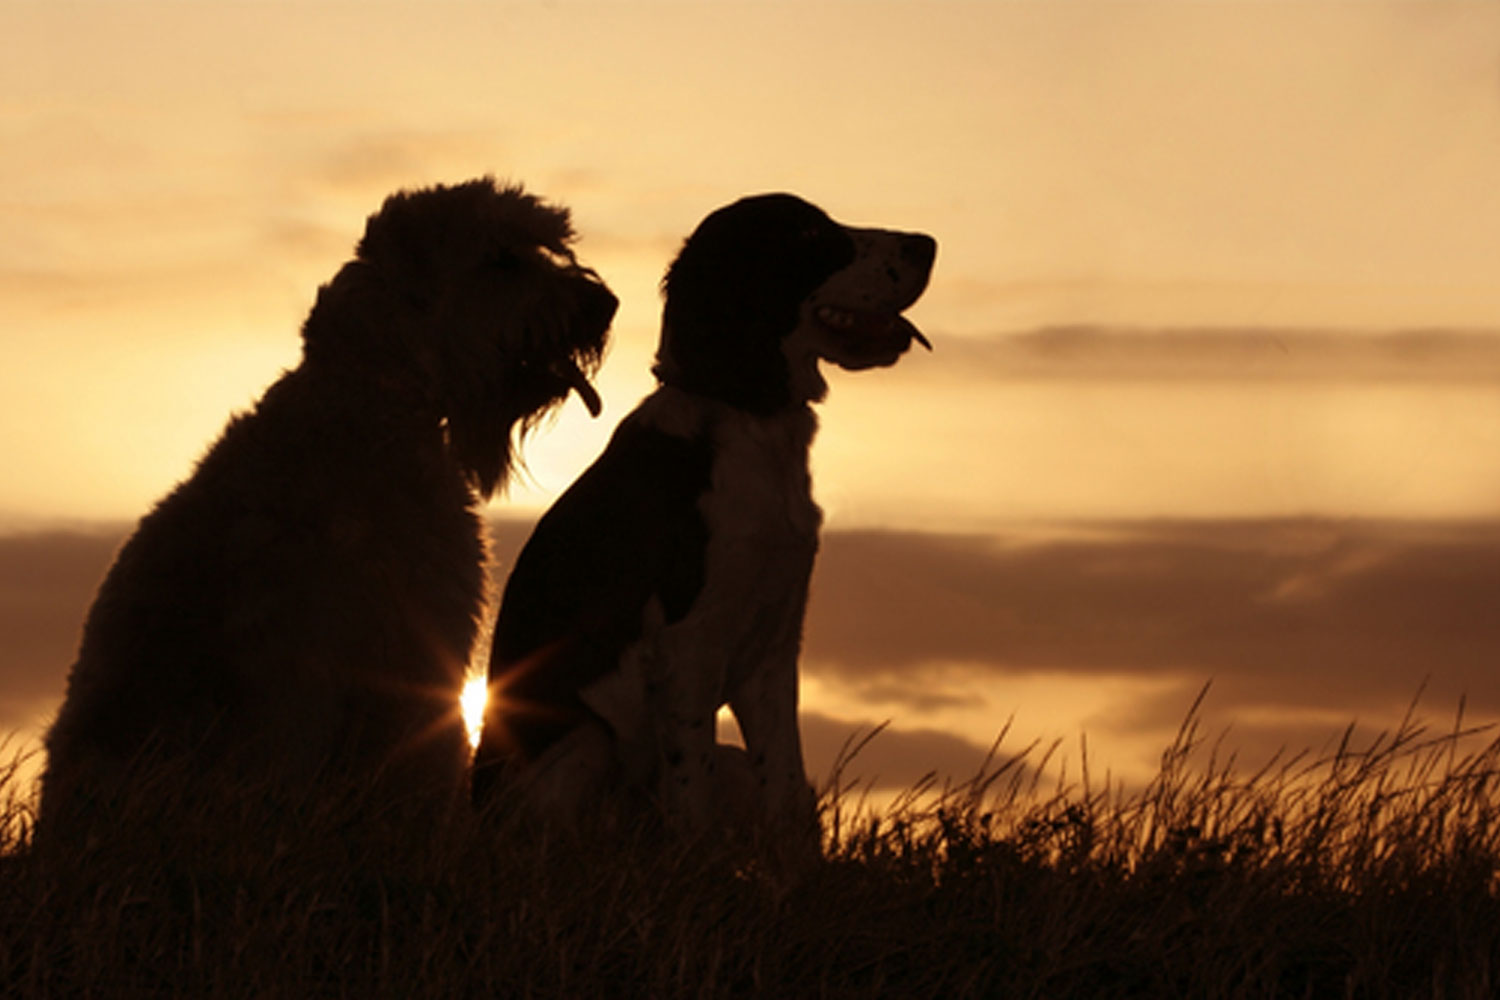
x=404, y=239
x=360, y=323
x=722, y=329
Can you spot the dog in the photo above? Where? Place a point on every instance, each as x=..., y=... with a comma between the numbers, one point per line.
x=299, y=613
x=672, y=577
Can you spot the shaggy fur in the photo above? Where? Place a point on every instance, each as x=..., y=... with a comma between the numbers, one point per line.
x=299, y=613
x=672, y=577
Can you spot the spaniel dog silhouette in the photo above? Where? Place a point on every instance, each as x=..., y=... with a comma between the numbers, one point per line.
x=298, y=614
x=672, y=577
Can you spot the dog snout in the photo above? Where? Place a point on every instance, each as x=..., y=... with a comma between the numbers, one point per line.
x=598, y=304
x=918, y=250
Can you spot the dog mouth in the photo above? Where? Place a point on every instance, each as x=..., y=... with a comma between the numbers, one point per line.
x=870, y=329
x=567, y=370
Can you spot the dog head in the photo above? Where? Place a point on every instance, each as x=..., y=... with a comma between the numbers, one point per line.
x=766, y=287
x=467, y=301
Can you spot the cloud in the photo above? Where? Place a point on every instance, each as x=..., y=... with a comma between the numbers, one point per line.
x=47, y=583
x=1208, y=353
x=47, y=580
x=894, y=758
x=1301, y=626
x=1296, y=615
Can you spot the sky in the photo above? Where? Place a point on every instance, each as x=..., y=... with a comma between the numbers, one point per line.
x=1213, y=398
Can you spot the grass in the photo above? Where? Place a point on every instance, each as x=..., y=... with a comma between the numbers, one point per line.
x=1370, y=872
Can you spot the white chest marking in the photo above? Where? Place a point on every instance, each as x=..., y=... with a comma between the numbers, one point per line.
x=762, y=538
x=760, y=484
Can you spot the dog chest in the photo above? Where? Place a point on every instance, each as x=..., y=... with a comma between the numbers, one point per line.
x=762, y=527
x=760, y=489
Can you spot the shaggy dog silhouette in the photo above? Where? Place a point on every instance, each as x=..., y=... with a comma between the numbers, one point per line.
x=299, y=612
x=672, y=577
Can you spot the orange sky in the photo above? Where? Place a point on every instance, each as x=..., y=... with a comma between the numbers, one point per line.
x=179, y=178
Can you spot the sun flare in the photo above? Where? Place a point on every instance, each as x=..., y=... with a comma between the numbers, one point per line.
x=475, y=694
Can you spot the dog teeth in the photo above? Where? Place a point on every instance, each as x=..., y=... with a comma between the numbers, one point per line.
x=868, y=323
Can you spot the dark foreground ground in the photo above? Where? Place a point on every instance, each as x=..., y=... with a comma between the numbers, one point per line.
x=1371, y=873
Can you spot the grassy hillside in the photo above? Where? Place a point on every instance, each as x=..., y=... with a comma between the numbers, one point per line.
x=1369, y=873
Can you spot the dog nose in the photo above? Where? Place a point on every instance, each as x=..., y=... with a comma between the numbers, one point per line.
x=599, y=304
x=918, y=249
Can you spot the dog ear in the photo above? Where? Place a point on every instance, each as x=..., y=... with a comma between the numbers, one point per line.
x=721, y=333
x=359, y=323
x=407, y=239
x=736, y=291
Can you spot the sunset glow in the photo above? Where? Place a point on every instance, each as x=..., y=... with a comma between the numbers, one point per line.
x=1215, y=387
x=473, y=700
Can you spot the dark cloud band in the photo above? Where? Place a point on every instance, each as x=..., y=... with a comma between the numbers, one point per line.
x=1290, y=620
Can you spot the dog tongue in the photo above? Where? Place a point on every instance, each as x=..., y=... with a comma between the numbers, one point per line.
x=913, y=332
x=871, y=324
x=580, y=385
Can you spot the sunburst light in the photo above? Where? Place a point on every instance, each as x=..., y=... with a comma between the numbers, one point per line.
x=475, y=694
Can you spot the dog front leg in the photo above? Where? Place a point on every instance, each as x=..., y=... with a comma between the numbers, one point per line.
x=765, y=705
x=684, y=705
